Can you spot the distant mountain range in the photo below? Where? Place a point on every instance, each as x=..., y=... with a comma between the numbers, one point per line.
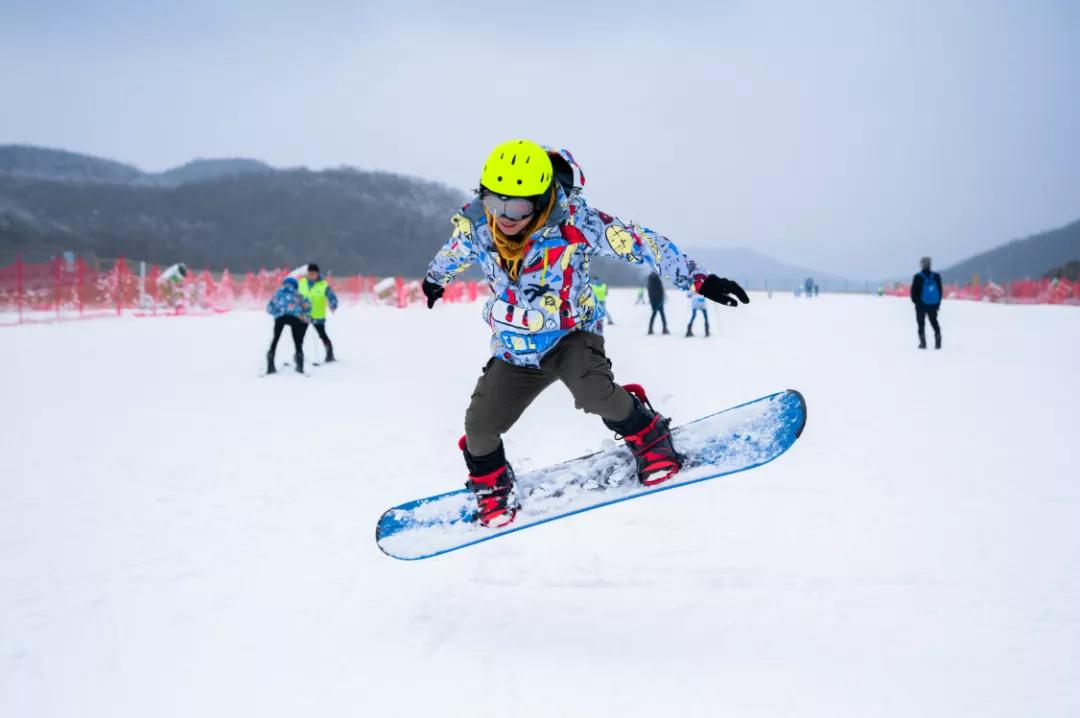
x=245, y=214
x=61, y=166
x=761, y=271
x=234, y=213
x=750, y=268
x=1031, y=257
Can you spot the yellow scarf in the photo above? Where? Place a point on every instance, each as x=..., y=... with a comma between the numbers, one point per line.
x=512, y=250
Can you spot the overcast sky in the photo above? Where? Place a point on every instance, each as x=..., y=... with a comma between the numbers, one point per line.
x=852, y=137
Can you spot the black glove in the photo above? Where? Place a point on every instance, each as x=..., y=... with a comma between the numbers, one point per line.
x=433, y=292
x=718, y=290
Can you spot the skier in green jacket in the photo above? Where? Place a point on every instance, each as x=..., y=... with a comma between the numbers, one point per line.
x=318, y=291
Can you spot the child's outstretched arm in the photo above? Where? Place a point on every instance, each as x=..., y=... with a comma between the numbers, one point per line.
x=610, y=236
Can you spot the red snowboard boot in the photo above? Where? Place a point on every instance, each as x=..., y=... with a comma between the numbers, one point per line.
x=492, y=481
x=647, y=435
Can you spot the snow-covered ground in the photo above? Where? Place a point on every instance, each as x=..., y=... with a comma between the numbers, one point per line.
x=179, y=537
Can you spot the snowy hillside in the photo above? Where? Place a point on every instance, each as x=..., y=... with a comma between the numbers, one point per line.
x=179, y=537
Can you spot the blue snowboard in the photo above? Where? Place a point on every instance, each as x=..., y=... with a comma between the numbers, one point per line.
x=737, y=439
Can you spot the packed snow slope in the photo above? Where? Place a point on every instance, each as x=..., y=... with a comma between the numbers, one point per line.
x=179, y=537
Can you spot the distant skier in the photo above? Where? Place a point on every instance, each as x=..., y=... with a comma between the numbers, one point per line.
x=317, y=291
x=288, y=307
x=697, y=304
x=656, y=301
x=926, y=293
x=599, y=289
x=174, y=274
x=171, y=283
x=533, y=234
x=640, y=296
x=809, y=287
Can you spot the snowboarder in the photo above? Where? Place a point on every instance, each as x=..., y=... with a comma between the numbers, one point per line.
x=318, y=292
x=926, y=294
x=533, y=234
x=599, y=289
x=697, y=304
x=656, y=301
x=288, y=307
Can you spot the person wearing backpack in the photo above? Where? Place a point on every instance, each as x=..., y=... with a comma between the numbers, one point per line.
x=926, y=294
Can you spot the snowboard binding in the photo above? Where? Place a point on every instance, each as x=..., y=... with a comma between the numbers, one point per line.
x=648, y=436
x=491, y=480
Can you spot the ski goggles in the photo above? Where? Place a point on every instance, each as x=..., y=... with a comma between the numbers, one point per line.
x=511, y=208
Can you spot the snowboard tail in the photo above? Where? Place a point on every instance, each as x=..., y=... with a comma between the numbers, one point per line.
x=736, y=439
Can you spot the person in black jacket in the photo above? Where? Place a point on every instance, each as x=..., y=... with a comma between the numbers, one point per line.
x=656, y=299
x=926, y=293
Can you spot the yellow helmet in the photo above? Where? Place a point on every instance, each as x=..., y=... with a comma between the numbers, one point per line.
x=518, y=168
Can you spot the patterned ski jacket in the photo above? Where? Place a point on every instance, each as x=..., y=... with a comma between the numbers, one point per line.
x=553, y=294
x=287, y=300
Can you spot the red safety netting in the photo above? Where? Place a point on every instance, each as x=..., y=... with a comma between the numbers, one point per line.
x=1023, y=291
x=66, y=289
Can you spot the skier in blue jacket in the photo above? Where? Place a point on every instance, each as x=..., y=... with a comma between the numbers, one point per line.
x=288, y=307
x=926, y=292
x=534, y=235
x=697, y=304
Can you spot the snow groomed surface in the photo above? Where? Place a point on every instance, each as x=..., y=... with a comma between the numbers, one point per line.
x=736, y=439
x=181, y=538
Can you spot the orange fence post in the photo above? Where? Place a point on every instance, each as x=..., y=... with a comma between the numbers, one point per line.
x=118, y=275
x=155, y=273
x=80, y=279
x=19, y=286
x=56, y=284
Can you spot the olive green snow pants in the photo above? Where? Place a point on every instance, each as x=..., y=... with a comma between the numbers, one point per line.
x=505, y=390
